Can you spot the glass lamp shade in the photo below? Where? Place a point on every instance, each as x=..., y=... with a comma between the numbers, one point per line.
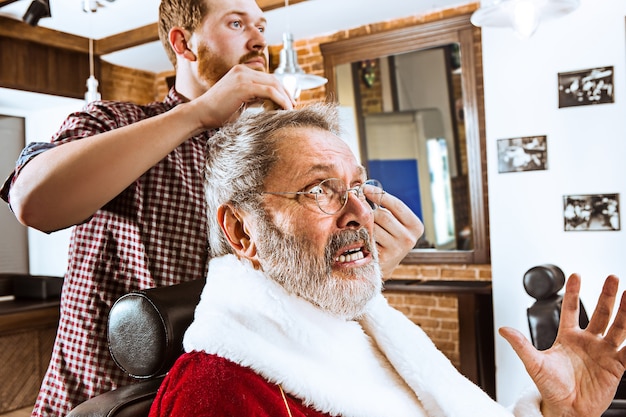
x=289, y=72
x=523, y=16
x=92, y=93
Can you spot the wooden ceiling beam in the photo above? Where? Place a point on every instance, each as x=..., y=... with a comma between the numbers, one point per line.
x=135, y=37
x=5, y=2
x=17, y=29
x=266, y=5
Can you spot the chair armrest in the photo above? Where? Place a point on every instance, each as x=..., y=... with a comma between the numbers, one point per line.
x=130, y=400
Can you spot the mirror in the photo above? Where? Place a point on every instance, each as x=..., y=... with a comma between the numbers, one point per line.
x=413, y=97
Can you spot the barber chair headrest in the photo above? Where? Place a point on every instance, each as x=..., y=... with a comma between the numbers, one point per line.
x=544, y=281
x=146, y=328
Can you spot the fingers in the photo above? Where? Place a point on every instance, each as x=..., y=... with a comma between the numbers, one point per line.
x=259, y=86
x=396, y=230
x=602, y=314
x=396, y=221
x=571, y=303
x=617, y=331
x=522, y=347
x=239, y=87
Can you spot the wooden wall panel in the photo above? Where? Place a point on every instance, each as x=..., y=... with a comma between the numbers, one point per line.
x=39, y=68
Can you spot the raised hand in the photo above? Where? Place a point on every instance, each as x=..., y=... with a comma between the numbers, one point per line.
x=579, y=374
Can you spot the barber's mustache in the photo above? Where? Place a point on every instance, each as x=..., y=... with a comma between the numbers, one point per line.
x=253, y=55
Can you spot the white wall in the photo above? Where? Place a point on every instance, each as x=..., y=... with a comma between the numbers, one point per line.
x=14, y=236
x=586, y=152
x=47, y=253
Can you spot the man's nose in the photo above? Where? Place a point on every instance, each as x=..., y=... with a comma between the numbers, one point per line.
x=356, y=212
x=257, y=41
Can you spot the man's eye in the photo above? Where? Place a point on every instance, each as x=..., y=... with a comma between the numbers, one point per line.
x=236, y=24
x=316, y=190
x=261, y=29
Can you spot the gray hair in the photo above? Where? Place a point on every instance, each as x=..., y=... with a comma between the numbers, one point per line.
x=241, y=155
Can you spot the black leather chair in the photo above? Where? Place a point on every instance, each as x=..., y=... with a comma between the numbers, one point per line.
x=145, y=333
x=544, y=282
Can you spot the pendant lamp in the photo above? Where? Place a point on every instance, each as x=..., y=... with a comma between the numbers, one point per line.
x=92, y=93
x=291, y=75
x=523, y=16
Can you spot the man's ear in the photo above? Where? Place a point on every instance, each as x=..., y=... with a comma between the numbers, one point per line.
x=179, y=40
x=234, y=224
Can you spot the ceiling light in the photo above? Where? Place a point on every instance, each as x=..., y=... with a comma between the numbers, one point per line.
x=90, y=6
x=37, y=10
x=289, y=72
x=523, y=16
x=92, y=93
x=293, y=78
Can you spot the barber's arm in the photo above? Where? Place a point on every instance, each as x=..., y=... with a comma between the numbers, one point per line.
x=396, y=231
x=579, y=374
x=67, y=184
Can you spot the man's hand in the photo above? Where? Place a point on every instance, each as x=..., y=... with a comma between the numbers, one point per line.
x=396, y=232
x=579, y=374
x=239, y=87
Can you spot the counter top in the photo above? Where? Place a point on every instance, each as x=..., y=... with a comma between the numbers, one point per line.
x=25, y=313
x=440, y=286
x=20, y=305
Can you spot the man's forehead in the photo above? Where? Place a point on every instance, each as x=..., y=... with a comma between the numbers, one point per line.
x=312, y=144
x=330, y=169
x=313, y=153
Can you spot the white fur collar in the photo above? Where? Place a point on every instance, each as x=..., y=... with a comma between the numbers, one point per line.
x=376, y=367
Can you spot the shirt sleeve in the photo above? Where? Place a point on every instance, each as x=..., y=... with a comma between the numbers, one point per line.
x=95, y=118
x=28, y=153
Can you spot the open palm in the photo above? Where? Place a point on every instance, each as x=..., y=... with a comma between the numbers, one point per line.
x=579, y=374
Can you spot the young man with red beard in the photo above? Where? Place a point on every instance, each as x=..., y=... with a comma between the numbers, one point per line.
x=129, y=177
x=292, y=321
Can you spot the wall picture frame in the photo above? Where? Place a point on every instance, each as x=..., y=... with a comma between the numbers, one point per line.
x=583, y=212
x=528, y=153
x=586, y=87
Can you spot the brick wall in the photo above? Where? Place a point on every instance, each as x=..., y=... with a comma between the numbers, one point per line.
x=436, y=313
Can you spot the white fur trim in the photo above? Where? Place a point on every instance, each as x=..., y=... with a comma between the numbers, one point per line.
x=376, y=367
x=529, y=404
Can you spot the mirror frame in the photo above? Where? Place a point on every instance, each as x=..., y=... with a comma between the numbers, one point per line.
x=423, y=36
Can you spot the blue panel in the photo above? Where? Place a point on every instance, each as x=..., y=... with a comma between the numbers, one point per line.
x=399, y=177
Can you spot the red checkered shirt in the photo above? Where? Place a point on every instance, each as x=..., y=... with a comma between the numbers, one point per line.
x=152, y=234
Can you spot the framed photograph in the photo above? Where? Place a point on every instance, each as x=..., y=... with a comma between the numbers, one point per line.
x=523, y=154
x=581, y=88
x=591, y=212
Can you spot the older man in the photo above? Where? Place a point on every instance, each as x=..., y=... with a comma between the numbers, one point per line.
x=292, y=321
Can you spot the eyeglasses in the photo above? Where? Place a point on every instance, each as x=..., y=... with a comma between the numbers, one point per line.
x=331, y=195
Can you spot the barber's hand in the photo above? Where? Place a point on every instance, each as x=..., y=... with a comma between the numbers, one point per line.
x=579, y=374
x=396, y=231
x=240, y=86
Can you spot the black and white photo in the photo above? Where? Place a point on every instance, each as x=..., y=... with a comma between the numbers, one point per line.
x=522, y=154
x=584, y=87
x=591, y=212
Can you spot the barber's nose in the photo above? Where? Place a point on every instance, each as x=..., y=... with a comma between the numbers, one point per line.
x=257, y=41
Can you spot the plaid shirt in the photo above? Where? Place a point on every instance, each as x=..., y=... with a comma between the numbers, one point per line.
x=152, y=234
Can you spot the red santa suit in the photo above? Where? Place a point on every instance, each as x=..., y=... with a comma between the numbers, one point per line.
x=250, y=339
